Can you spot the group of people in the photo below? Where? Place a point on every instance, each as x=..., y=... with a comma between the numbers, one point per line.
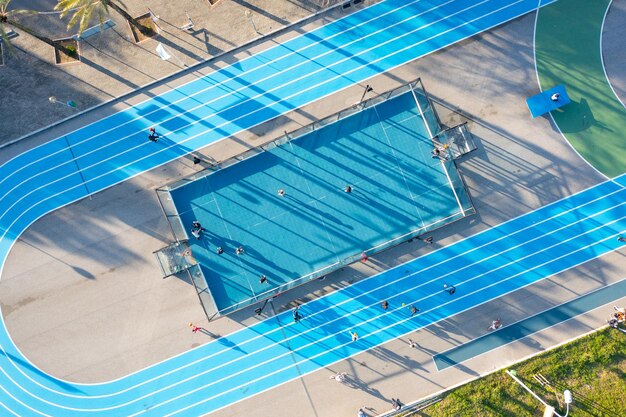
x=441, y=152
x=395, y=403
x=197, y=229
x=619, y=316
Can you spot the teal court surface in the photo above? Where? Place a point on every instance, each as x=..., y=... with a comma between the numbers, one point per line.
x=381, y=149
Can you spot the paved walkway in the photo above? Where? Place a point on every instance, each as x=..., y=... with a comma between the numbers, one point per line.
x=511, y=173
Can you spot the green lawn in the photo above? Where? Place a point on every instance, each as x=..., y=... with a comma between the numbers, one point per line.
x=593, y=368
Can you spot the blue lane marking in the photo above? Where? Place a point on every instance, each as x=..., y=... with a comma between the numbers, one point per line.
x=245, y=363
x=531, y=325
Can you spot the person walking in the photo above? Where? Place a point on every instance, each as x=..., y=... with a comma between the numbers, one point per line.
x=153, y=136
x=196, y=225
x=450, y=289
x=395, y=403
x=412, y=344
x=296, y=314
x=361, y=413
x=495, y=325
x=194, y=328
x=339, y=377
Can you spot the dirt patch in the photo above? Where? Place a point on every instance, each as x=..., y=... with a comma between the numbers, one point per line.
x=62, y=57
x=146, y=21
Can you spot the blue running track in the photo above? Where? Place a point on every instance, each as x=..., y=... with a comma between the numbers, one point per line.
x=373, y=40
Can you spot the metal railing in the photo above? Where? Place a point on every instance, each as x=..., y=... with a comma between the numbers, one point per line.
x=430, y=118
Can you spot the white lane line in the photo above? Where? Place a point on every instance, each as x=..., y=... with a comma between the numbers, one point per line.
x=556, y=216
x=8, y=409
x=349, y=300
x=383, y=329
x=219, y=84
x=18, y=401
x=213, y=114
x=177, y=144
x=253, y=98
x=354, y=312
x=606, y=75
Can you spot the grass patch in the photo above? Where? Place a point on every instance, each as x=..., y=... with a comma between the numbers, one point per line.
x=593, y=368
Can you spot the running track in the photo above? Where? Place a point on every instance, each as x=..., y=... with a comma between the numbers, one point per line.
x=374, y=40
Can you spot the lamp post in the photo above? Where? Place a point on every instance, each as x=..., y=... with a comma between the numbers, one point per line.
x=549, y=410
x=249, y=15
x=69, y=103
x=368, y=89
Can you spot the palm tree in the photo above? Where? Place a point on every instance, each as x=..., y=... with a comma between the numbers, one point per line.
x=9, y=18
x=83, y=11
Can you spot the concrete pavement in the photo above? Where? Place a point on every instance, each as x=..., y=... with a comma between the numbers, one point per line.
x=82, y=296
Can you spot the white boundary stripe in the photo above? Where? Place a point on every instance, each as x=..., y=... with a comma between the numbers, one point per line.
x=399, y=168
x=556, y=216
x=608, y=80
x=443, y=166
x=593, y=291
x=419, y=106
